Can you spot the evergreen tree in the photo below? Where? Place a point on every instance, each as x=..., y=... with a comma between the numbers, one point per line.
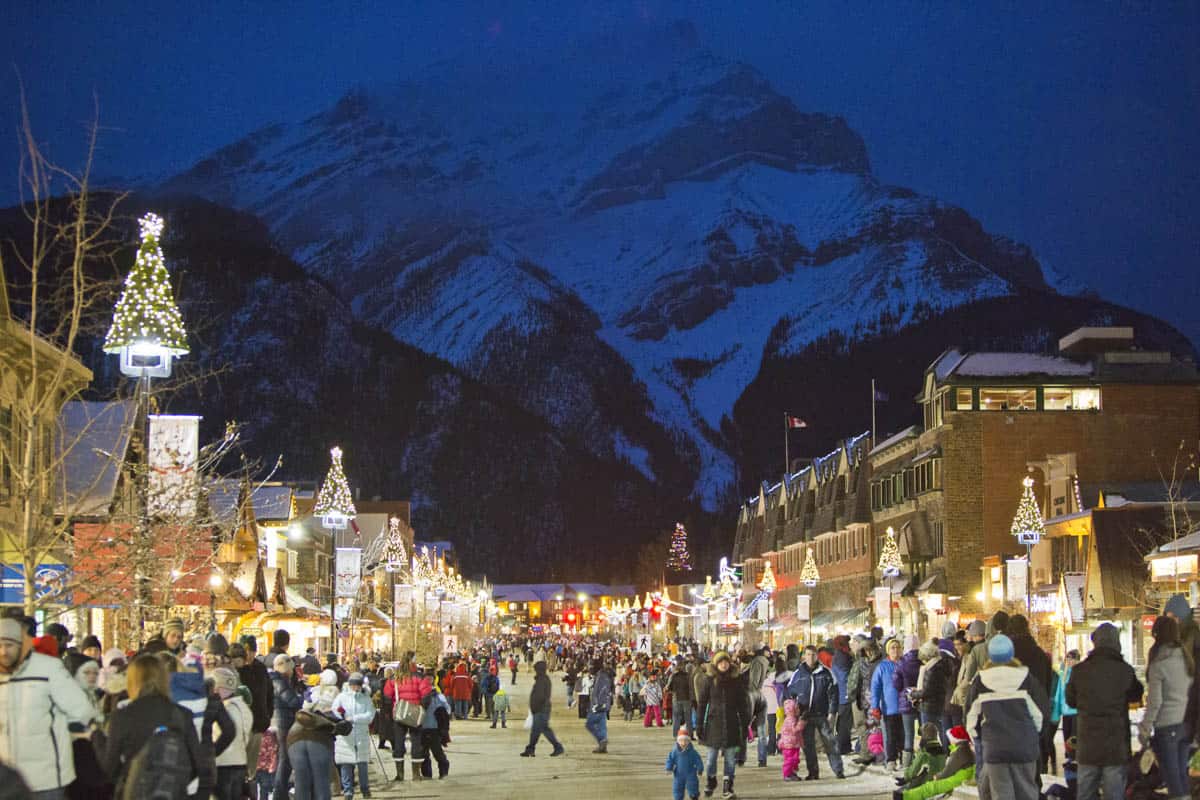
x=146, y=311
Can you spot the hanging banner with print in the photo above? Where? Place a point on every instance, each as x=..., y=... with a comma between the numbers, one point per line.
x=803, y=607
x=347, y=576
x=174, y=446
x=883, y=602
x=404, y=601
x=1018, y=580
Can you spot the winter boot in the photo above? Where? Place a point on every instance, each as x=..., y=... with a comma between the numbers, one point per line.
x=906, y=759
x=711, y=786
x=727, y=790
x=399, y=771
x=602, y=747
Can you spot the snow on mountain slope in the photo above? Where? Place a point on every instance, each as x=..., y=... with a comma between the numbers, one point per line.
x=615, y=233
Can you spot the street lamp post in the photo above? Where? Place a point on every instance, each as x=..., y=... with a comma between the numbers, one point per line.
x=1028, y=527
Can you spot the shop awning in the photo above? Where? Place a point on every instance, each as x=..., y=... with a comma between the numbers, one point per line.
x=299, y=602
x=841, y=618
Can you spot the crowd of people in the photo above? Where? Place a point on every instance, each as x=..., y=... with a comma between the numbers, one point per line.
x=984, y=704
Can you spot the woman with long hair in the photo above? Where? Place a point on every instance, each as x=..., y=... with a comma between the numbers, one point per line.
x=1167, y=684
x=150, y=708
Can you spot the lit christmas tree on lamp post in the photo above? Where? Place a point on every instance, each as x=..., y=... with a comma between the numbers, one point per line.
x=1028, y=527
x=678, y=557
x=809, y=575
x=767, y=585
x=394, y=555
x=890, y=562
x=335, y=504
x=147, y=328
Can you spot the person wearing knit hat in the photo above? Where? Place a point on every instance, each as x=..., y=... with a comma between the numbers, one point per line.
x=231, y=762
x=1014, y=703
x=908, y=677
x=1101, y=689
x=959, y=768
x=928, y=761
x=39, y=701
x=90, y=647
x=686, y=765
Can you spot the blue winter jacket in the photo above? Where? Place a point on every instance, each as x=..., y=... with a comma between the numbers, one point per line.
x=683, y=763
x=1004, y=714
x=883, y=690
x=815, y=691
x=841, y=672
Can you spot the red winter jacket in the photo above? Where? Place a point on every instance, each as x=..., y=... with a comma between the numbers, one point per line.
x=460, y=687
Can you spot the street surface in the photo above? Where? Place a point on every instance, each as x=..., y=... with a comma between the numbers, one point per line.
x=486, y=763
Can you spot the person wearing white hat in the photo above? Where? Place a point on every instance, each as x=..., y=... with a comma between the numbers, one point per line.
x=231, y=763
x=39, y=699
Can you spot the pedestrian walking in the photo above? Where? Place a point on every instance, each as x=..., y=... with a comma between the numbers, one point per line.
x=255, y=676
x=1101, y=689
x=791, y=739
x=652, y=694
x=500, y=708
x=435, y=735
x=599, y=703
x=539, y=708
x=1167, y=685
x=412, y=687
x=686, y=765
x=814, y=688
x=310, y=742
x=353, y=750
x=1013, y=705
x=231, y=763
x=723, y=711
x=288, y=701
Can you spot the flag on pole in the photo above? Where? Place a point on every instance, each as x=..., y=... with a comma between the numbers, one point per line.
x=881, y=396
x=795, y=422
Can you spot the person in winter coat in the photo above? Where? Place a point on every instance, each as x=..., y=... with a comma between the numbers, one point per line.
x=435, y=735
x=928, y=760
x=1162, y=725
x=354, y=749
x=39, y=700
x=254, y=675
x=539, y=707
x=955, y=715
x=886, y=700
x=858, y=689
x=1058, y=704
x=500, y=710
x=685, y=764
x=767, y=736
x=723, y=713
x=599, y=701
x=1005, y=708
x=682, y=697
x=413, y=687
x=231, y=763
x=169, y=639
x=977, y=634
x=813, y=687
x=310, y=741
x=90, y=781
x=958, y=769
x=1180, y=609
x=652, y=695
x=1101, y=689
x=287, y=701
x=791, y=739
x=149, y=708
x=908, y=670
x=933, y=688
x=190, y=690
x=491, y=685
x=460, y=691
x=840, y=666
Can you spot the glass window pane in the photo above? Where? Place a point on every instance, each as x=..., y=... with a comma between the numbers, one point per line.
x=963, y=399
x=1056, y=398
x=1085, y=399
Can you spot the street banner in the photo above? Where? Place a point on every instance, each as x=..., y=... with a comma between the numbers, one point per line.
x=48, y=584
x=803, y=607
x=404, y=602
x=173, y=449
x=348, y=574
x=883, y=602
x=1018, y=579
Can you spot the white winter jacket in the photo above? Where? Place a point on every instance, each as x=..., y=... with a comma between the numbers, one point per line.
x=357, y=707
x=37, y=702
x=243, y=718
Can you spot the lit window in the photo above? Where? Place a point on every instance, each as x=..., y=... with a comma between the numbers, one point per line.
x=1063, y=398
x=962, y=399
x=1023, y=399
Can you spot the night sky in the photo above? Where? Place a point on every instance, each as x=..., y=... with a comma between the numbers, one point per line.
x=1074, y=130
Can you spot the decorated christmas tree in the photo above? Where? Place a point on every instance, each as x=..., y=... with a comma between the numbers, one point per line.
x=146, y=313
x=678, y=557
x=808, y=573
x=767, y=582
x=394, y=555
x=1027, y=525
x=335, y=504
x=889, y=556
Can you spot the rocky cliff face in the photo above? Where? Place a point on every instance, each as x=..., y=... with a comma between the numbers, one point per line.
x=610, y=235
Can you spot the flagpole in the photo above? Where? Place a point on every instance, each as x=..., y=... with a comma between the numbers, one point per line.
x=787, y=461
x=872, y=412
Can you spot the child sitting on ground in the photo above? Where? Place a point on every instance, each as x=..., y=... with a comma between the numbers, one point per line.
x=958, y=769
x=687, y=766
x=791, y=736
x=929, y=760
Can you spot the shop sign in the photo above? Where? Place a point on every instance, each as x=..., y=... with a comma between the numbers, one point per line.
x=1044, y=603
x=803, y=607
x=49, y=584
x=1148, y=622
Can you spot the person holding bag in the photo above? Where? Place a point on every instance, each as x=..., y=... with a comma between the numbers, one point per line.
x=411, y=692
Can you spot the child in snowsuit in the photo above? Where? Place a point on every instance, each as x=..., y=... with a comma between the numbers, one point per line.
x=929, y=760
x=500, y=709
x=791, y=735
x=874, y=742
x=687, y=766
x=958, y=769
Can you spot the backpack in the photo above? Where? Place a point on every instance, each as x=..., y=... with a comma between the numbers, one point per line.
x=161, y=770
x=492, y=684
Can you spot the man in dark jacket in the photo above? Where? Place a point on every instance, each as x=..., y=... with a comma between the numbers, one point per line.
x=1100, y=689
x=539, y=707
x=254, y=676
x=1012, y=704
x=723, y=718
x=843, y=662
x=680, y=687
x=281, y=640
x=288, y=701
x=815, y=690
x=599, y=701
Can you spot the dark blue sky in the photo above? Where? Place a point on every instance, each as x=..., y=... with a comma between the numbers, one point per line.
x=1074, y=129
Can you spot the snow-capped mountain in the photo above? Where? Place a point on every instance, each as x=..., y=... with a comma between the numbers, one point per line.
x=613, y=233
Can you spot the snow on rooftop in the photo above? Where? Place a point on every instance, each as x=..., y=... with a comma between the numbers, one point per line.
x=994, y=365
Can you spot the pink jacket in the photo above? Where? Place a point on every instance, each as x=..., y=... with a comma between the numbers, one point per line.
x=413, y=689
x=793, y=727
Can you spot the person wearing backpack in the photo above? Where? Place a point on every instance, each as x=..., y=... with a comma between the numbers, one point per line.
x=151, y=742
x=231, y=764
